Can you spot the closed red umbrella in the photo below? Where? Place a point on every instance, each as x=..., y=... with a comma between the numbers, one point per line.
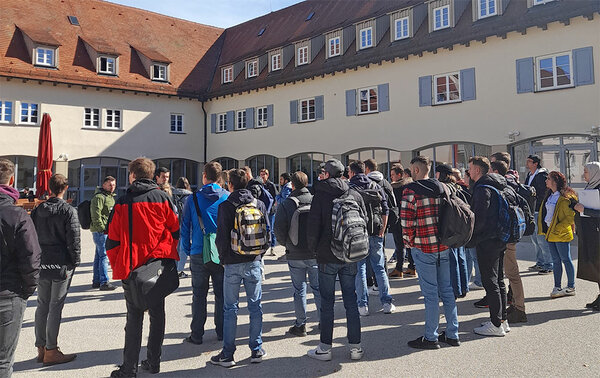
x=44, y=158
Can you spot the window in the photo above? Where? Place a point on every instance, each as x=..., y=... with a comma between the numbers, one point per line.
x=91, y=117
x=402, y=28
x=446, y=88
x=302, y=55
x=44, y=56
x=275, y=62
x=113, y=119
x=159, y=72
x=107, y=65
x=240, y=120
x=334, y=47
x=307, y=110
x=227, y=74
x=366, y=38
x=252, y=68
x=177, y=123
x=540, y=2
x=222, y=125
x=441, y=17
x=29, y=113
x=367, y=100
x=487, y=8
x=5, y=111
x=554, y=71
x=262, y=116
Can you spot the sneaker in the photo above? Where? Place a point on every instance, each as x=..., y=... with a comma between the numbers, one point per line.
x=474, y=286
x=535, y=268
x=388, y=308
x=570, y=291
x=298, y=331
x=221, y=360
x=257, y=356
x=505, y=326
x=557, y=292
x=373, y=290
x=594, y=303
x=183, y=274
x=489, y=329
x=192, y=341
x=320, y=354
x=152, y=369
x=395, y=274
x=422, y=343
x=410, y=272
x=392, y=260
x=363, y=311
x=120, y=373
x=444, y=339
x=356, y=353
x=95, y=285
x=545, y=272
x=481, y=303
x=107, y=287
x=516, y=315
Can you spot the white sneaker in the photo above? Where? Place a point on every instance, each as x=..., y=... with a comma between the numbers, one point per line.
x=557, y=292
x=474, y=286
x=489, y=329
x=320, y=354
x=570, y=291
x=356, y=353
x=505, y=326
x=388, y=308
x=373, y=290
x=363, y=311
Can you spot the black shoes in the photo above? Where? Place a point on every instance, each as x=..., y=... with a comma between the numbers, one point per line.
x=422, y=343
x=107, y=287
x=481, y=303
x=152, y=369
x=298, y=331
x=442, y=338
x=120, y=373
x=257, y=356
x=594, y=305
x=183, y=274
x=221, y=360
x=95, y=285
x=192, y=341
x=514, y=315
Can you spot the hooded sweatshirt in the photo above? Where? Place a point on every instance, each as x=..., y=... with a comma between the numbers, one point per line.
x=100, y=207
x=484, y=204
x=362, y=181
x=283, y=220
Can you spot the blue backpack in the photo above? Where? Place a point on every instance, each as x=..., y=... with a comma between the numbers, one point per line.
x=511, y=218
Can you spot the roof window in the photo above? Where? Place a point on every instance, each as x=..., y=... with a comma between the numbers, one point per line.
x=310, y=16
x=261, y=32
x=73, y=20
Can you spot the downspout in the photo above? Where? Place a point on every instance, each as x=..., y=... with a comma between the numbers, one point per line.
x=205, y=131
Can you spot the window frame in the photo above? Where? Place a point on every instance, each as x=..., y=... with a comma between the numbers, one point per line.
x=276, y=58
x=243, y=120
x=538, y=78
x=45, y=49
x=112, y=119
x=435, y=93
x=337, y=48
x=262, y=120
x=300, y=55
x=541, y=2
x=370, y=32
x=254, y=64
x=221, y=126
x=441, y=10
x=227, y=75
x=358, y=100
x=396, y=22
x=487, y=8
x=3, y=112
x=29, y=114
x=91, y=118
x=308, y=112
x=107, y=57
x=154, y=70
x=179, y=129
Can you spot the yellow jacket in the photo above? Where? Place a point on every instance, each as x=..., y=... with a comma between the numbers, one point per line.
x=560, y=229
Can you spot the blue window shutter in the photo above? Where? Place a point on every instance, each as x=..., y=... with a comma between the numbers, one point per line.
x=213, y=123
x=250, y=118
x=467, y=84
x=583, y=66
x=319, y=110
x=425, y=91
x=525, y=75
x=294, y=111
x=230, y=120
x=350, y=102
x=269, y=115
x=383, y=97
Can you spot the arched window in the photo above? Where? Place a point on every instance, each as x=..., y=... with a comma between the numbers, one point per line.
x=181, y=168
x=307, y=163
x=85, y=175
x=227, y=163
x=258, y=162
x=455, y=154
x=383, y=156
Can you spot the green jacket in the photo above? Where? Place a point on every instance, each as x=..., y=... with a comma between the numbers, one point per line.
x=101, y=205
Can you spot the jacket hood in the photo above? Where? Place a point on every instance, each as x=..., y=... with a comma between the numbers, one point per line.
x=255, y=187
x=332, y=186
x=9, y=192
x=376, y=176
x=50, y=207
x=240, y=196
x=299, y=192
x=141, y=186
x=430, y=188
x=212, y=192
x=181, y=192
x=360, y=179
x=401, y=183
x=99, y=189
x=492, y=179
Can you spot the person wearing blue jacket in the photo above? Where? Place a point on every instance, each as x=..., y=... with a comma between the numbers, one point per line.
x=203, y=263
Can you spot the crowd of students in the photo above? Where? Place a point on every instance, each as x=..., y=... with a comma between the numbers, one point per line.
x=333, y=231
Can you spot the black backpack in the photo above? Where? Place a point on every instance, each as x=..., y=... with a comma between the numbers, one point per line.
x=372, y=200
x=528, y=193
x=526, y=199
x=456, y=220
x=85, y=215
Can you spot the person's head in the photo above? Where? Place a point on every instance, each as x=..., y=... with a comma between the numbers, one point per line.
x=141, y=168
x=500, y=167
x=183, y=183
x=238, y=179
x=333, y=169
x=370, y=166
x=591, y=174
x=533, y=163
x=456, y=173
x=211, y=173
x=224, y=180
x=467, y=178
x=248, y=171
x=7, y=172
x=109, y=184
x=557, y=182
x=321, y=172
x=264, y=175
x=58, y=185
x=356, y=167
x=284, y=178
x=346, y=173
x=500, y=156
x=396, y=172
x=162, y=175
x=478, y=167
x=419, y=167
x=443, y=172
x=299, y=180
x=407, y=173
x=26, y=190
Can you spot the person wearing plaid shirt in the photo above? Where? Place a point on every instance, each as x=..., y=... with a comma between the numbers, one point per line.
x=419, y=215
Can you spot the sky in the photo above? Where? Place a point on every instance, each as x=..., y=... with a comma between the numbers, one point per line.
x=220, y=13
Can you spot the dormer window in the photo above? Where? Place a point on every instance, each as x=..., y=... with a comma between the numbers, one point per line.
x=302, y=55
x=402, y=30
x=366, y=38
x=441, y=17
x=275, y=62
x=487, y=8
x=107, y=65
x=45, y=56
x=334, y=46
x=227, y=74
x=252, y=68
x=159, y=72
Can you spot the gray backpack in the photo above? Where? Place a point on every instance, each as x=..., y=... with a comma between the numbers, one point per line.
x=350, y=239
x=297, y=231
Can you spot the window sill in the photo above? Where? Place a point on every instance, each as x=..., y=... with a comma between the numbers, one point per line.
x=177, y=132
x=25, y=124
x=240, y=129
x=102, y=129
x=442, y=28
x=221, y=132
x=46, y=67
x=485, y=17
x=108, y=74
x=160, y=81
x=447, y=102
x=7, y=124
x=369, y=112
x=307, y=120
x=539, y=90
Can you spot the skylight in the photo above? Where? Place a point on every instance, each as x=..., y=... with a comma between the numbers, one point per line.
x=310, y=16
x=73, y=20
x=261, y=32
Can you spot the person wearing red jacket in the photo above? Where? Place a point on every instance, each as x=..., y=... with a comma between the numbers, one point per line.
x=154, y=235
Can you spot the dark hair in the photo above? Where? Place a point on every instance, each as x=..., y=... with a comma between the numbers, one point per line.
x=299, y=179
x=500, y=166
x=357, y=167
x=107, y=179
x=397, y=168
x=482, y=162
x=536, y=159
x=286, y=177
x=212, y=171
x=561, y=184
x=7, y=170
x=346, y=172
x=161, y=170
x=423, y=160
x=501, y=156
x=265, y=170
x=142, y=168
x=58, y=183
x=408, y=172
x=371, y=165
x=238, y=179
x=183, y=183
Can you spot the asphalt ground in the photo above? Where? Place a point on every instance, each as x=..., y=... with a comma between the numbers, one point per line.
x=561, y=338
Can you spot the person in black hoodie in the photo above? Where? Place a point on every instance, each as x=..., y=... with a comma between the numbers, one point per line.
x=238, y=269
x=19, y=265
x=536, y=177
x=58, y=232
x=319, y=237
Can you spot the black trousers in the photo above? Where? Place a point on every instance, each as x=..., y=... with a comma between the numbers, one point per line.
x=133, y=332
x=490, y=256
x=402, y=252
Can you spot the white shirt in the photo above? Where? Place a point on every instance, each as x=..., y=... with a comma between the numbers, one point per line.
x=550, y=206
x=532, y=176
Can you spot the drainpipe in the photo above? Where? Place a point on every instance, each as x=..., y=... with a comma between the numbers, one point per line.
x=205, y=131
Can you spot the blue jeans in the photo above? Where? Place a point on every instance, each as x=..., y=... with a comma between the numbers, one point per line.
x=458, y=271
x=377, y=259
x=182, y=258
x=543, y=258
x=100, y=259
x=561, y=254
x=299, y=269
x=347, y=274
x=248, y=274
x=473, y=264
x=435, y=284
x=201, y=273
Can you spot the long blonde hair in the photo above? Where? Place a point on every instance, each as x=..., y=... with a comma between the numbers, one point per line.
x=166, y=187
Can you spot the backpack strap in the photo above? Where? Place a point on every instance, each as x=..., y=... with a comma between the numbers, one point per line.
x=129, y=202
x=198, y=213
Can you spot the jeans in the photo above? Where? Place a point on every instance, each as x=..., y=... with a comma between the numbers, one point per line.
x=182, y=258
x=490, y=254
x=543, y=257
x=133, y=332
x=11, y=318
x=299, y=269
x=100, y=259
x=347, y=274
x=377, y=259
x=272, y=222
x=48, y=314
x=561, y=254
x=473, y=264
x=511, y=269
x=435, y=283
x=201, y=273
x=248, y=274
x=458, y=271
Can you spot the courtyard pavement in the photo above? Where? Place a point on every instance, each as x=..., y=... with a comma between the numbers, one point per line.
x=561, y=339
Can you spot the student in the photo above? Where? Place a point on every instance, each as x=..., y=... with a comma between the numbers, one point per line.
x=100, y=207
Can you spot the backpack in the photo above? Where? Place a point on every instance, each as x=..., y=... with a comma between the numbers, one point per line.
x=298, y=224
x=528, y=193
x=84, y=214
x=456, y=220
x=350, y=239
x=372, y=200
x=511, y=218
x=249, y=235
x=179, y=200
x=529, y=217
x=267, y=199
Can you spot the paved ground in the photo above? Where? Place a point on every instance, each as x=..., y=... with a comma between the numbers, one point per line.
x=560, y=339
